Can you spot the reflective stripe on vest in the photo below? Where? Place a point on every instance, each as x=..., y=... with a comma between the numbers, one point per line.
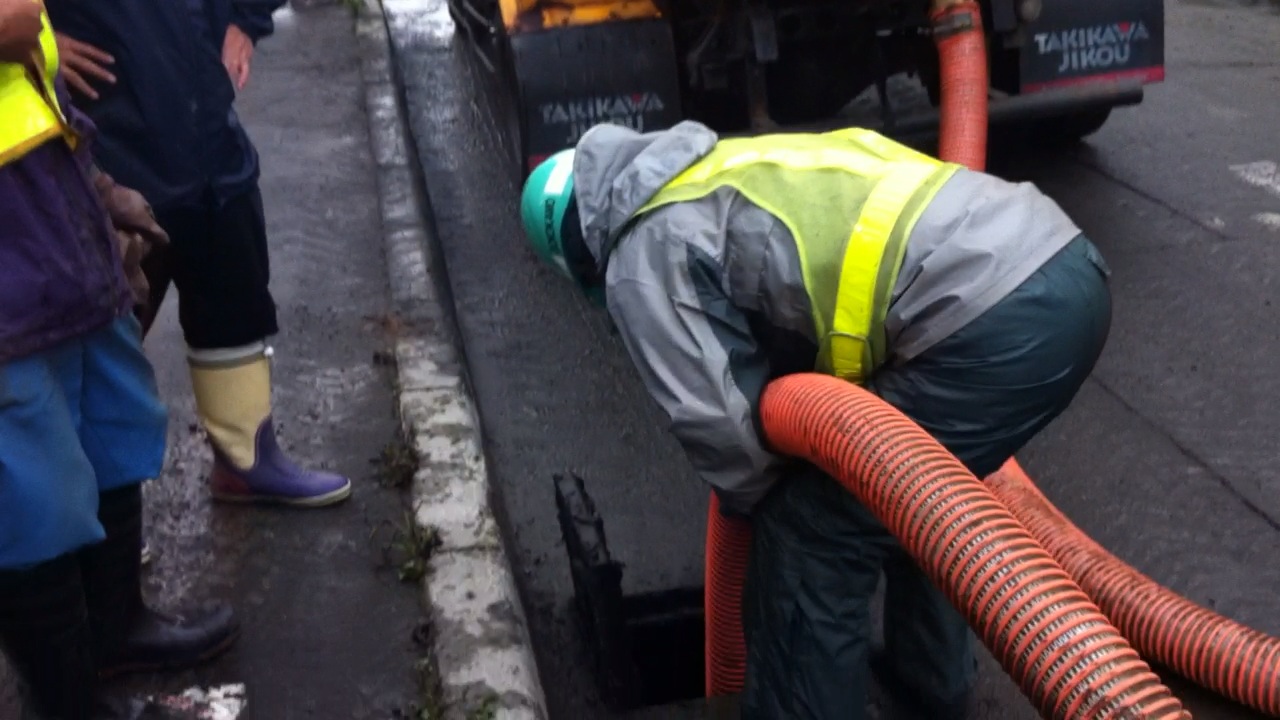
x=29, y=111
x=850, y=199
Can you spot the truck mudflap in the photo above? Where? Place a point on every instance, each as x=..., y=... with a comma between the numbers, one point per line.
x=570, y=78
x=1075, y=42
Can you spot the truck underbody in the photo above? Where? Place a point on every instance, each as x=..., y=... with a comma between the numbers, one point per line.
x=751, y=66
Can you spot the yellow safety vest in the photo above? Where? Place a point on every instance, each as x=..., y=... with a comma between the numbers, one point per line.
x=850, y=199
x=29, y=112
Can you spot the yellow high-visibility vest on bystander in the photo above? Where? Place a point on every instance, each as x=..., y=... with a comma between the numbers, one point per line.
x=29, y=112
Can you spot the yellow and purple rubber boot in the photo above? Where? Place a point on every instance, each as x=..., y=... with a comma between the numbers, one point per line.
x=233, y=399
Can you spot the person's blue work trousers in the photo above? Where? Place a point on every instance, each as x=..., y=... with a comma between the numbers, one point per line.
x=76, y=420
x=818, y=554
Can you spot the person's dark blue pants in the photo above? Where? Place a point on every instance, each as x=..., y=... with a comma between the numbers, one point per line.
x=219, y=261
x=817, y=556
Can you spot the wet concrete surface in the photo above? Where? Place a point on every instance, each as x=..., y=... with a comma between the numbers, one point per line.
x=1167, y=457
x=327, y=626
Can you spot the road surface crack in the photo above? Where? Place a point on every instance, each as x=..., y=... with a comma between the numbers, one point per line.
x=1174, y=209
x=1188, y=453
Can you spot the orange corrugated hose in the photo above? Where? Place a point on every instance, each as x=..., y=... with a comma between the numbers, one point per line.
x=1213, y=651
x=962, y=54
x=728, y=548
x=1038, y=623
x=1195, y=642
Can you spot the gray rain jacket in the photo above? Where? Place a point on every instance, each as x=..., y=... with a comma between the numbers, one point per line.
x=709, y=300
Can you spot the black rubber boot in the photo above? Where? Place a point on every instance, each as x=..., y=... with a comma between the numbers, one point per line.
x=44, y=631
x=128, y=636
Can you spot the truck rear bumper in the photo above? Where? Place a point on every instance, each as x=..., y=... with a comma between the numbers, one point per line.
x=1087, y=94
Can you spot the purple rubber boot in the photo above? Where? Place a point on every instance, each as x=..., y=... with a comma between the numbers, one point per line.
x=274, y=478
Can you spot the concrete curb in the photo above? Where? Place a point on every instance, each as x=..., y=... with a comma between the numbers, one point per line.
x=483, y=657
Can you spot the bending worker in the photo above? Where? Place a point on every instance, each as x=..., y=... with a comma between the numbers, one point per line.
x=81, y=421
x=973, y=305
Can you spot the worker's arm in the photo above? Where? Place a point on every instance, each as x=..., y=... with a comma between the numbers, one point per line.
x=250, y=22
x=697, y=358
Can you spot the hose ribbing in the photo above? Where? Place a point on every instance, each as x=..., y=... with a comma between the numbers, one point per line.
x=964, y=84
x=1046, y=633
x=728, y=549
x=1211, y=650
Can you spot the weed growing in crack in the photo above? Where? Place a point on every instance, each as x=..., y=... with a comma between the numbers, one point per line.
x=396, y=464
x=486, y=710
x=410, y=548
x=430, y=705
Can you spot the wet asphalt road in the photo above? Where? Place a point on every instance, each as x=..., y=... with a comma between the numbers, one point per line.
x=327, y=628
x=1167, y=457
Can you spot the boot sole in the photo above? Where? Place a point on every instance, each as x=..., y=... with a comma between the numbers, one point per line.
x=139, y=667
x=329, y=498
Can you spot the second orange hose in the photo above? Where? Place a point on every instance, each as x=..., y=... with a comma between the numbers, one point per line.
x=1213, y=651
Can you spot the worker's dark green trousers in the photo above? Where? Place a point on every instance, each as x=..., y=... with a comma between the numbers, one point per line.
x=818, y=554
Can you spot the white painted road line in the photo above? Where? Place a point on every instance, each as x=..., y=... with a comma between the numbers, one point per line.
x=1263, y=174
x=1270, y=220
x=1266, y=175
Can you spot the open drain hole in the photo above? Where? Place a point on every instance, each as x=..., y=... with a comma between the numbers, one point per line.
x=647, y=649
x=666, y=633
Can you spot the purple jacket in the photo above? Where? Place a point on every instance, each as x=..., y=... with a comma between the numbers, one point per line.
x=60, y=271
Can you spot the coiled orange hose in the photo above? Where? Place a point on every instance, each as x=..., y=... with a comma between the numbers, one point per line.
x=1045, y=631
x=728, y=549
x=962, y=55
x=1213, y=651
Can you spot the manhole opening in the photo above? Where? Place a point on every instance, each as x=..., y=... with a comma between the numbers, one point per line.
x=666, y=633
x=647, y=648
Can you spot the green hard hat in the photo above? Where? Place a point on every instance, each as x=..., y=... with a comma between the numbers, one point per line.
x=547, y=194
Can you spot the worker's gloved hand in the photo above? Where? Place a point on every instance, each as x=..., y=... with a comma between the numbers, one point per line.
x=129, y=211
x=137, y=231
x=132, y=250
